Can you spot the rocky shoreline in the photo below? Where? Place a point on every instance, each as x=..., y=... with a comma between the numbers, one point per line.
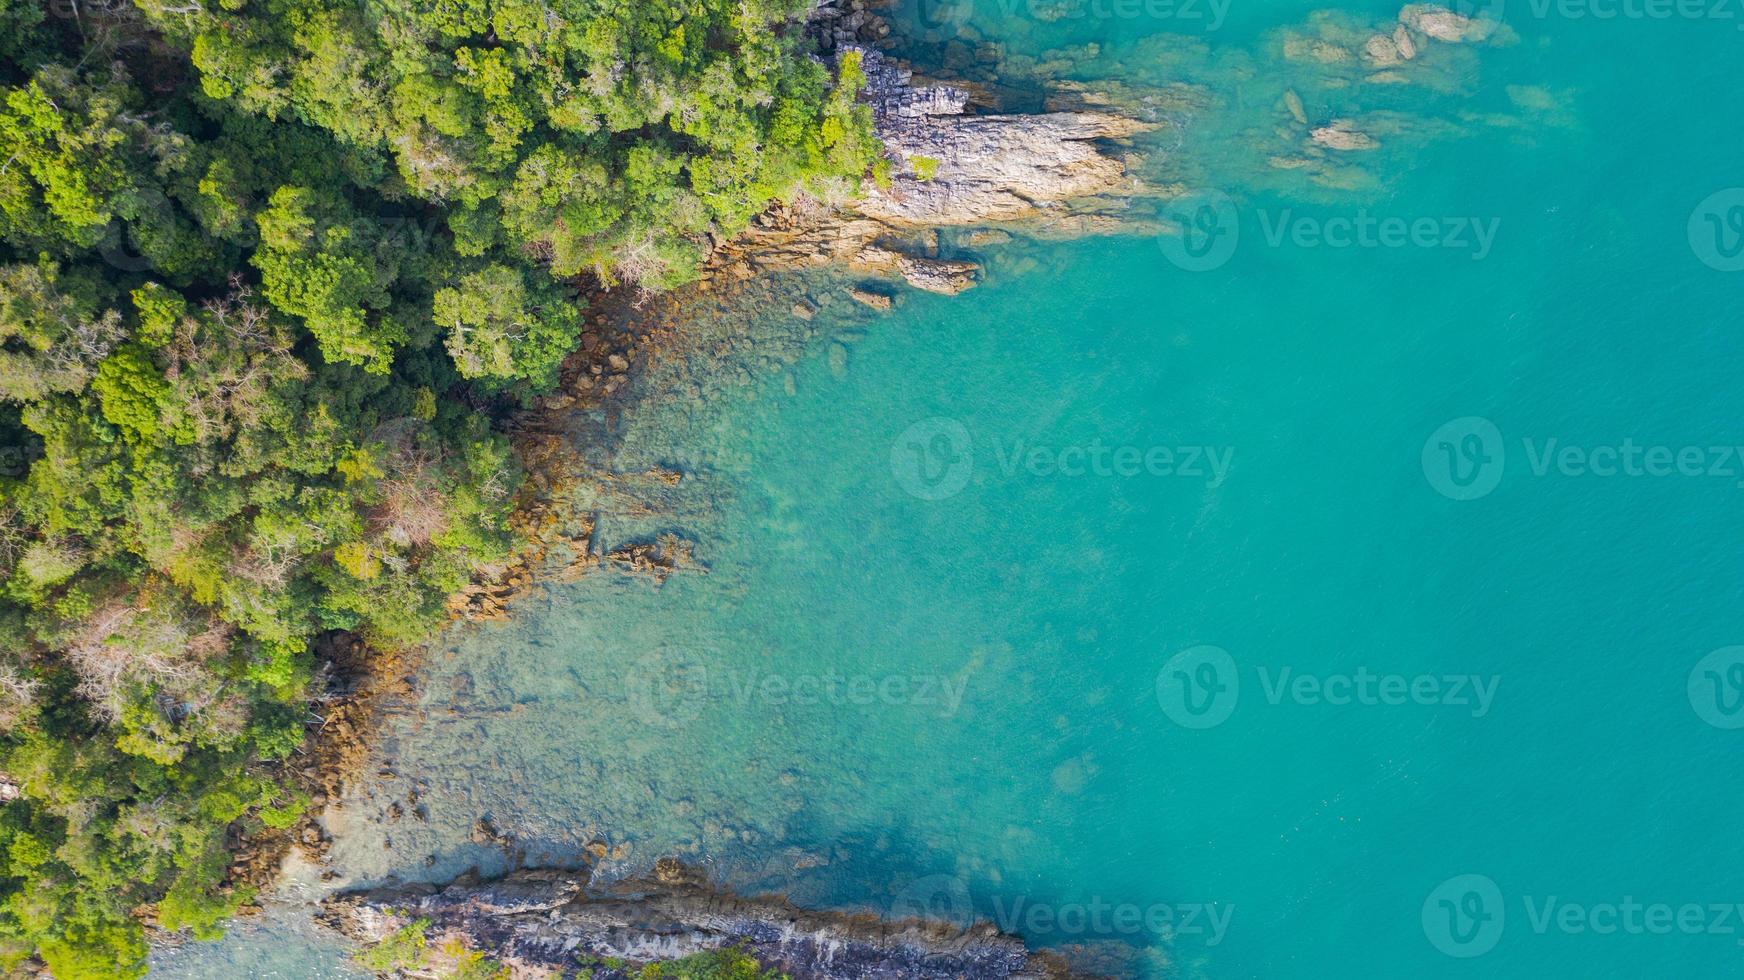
x=1055, y=174
x=965, y=173
x=547, y=922
x=1059, y=173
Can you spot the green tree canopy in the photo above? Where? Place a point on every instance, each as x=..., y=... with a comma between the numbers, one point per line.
x=270, y=272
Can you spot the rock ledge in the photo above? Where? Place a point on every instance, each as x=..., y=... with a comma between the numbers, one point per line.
x=542, y=921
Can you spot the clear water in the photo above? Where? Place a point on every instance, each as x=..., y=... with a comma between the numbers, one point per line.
x=928, y=669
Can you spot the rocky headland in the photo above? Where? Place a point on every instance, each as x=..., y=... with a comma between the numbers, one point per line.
x=547, y=922
x=1056, y=173
x=957, y=165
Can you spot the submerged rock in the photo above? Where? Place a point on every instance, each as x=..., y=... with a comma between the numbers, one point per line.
x=943, y=276
x=1293, y=103
x=545, y=920
x=1342, y=134
x=1315, y=50
x=1402, y=41
x=1443, y=24
x=947, y=276
x=1382, y=50
x=877, y=301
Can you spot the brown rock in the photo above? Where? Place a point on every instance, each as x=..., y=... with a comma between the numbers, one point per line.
x=983, y=237
x=877, y=301
x=938, y=275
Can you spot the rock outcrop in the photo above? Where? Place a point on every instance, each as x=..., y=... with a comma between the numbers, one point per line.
x=1054, y=173
x=985, y=168
x=548, y=920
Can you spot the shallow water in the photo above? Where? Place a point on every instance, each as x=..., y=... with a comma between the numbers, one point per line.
x=928, y=668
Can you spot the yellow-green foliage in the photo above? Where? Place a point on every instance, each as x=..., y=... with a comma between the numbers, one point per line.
x=720, y=964
x=408, y=948
x=402, y=949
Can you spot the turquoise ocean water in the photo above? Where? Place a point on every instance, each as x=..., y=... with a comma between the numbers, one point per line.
x=1239, y=619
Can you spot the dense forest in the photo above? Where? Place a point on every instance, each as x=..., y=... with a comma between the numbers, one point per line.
x=269, y=270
